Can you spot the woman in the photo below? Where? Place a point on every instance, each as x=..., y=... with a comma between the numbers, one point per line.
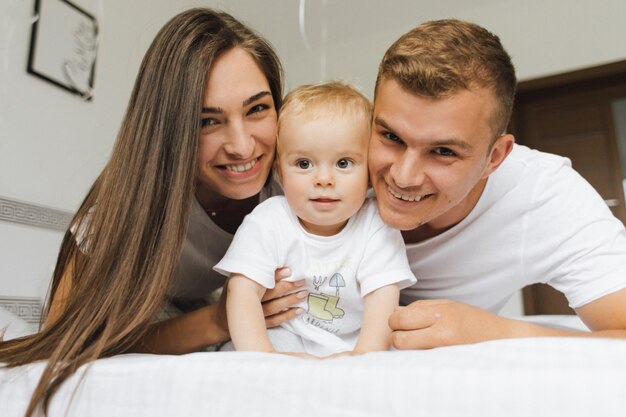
x=192, y=158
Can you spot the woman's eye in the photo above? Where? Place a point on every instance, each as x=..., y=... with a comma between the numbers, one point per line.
x=208, y=122
x=444, y=152
x=258, y=108
x=344, y=163
x=303, y=164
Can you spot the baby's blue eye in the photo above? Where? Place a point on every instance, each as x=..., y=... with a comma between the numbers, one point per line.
x=304, y=164
x=344, y=163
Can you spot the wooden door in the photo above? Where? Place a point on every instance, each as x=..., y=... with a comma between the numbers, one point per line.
x=571, y=115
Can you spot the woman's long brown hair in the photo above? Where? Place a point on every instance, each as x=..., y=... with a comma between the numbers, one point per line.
x=132, y=223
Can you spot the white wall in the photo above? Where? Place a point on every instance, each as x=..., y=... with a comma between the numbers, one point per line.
x=53, y=144
x=544, y=37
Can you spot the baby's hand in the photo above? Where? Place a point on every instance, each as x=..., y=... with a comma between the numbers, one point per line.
x=301, y=355
x=348, y=353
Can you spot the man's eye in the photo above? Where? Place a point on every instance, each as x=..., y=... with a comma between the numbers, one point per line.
x=391, y=137
x=304, y=164
x=344, y=163
x=444, y=152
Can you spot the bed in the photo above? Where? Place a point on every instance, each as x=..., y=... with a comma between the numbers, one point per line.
x=522, y=377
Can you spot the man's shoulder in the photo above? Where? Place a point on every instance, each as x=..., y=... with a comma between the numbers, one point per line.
x=533, y=158
x=529, y=166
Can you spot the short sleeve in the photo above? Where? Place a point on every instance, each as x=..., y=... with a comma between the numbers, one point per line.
x=252, y=252
x=574, y=243
x=384, y=260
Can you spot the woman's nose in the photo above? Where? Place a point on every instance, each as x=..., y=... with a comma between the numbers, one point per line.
x=240, y=143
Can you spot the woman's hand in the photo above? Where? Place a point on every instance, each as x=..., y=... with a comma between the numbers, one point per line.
x=279, y=302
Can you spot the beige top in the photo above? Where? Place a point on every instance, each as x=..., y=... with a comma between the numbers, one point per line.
x=204, y=246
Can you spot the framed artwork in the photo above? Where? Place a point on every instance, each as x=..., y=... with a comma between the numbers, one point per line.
x=63, y=46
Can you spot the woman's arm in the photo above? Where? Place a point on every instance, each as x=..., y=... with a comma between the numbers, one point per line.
x=375, y=332
x=198, y=329
x=187, y=333
x=246, y=320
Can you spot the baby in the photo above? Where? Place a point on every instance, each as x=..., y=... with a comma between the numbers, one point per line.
x=324, y=229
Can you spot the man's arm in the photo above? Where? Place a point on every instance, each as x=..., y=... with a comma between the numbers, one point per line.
x=606, y=316
x=434, y=323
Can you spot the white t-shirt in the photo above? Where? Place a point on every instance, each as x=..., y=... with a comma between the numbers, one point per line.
x=536, y=221
x=338, y=270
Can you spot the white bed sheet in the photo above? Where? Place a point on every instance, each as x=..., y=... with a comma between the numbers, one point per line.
x=523, y=377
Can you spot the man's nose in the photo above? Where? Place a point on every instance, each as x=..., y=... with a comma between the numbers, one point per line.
x=408, y=171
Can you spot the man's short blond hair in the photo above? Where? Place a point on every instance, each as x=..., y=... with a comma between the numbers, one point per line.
x=440, y=58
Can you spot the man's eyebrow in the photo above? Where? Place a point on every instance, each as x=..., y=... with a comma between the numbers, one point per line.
x=466, y=146
x=245, y=103
x=443, y=142
x=380, y=122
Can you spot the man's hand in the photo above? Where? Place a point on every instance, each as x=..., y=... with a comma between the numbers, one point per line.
x=428, y=324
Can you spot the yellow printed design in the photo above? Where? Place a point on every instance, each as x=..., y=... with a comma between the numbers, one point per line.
x=324, y=306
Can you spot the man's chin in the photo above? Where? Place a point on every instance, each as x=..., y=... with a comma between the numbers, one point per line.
x=397, y=221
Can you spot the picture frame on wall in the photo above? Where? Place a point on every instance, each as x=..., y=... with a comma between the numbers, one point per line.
x=63, y=48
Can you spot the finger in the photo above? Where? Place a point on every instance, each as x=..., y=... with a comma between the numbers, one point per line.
x=414, y=339
x=282, y=273
x=283, y=316
x=281, y=288
x=277, y=305
x=413, y=317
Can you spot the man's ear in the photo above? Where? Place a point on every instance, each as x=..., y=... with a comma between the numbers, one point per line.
x=501, y=148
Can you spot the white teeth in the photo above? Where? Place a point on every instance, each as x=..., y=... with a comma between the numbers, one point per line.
x=414, y=198
x=241, y=168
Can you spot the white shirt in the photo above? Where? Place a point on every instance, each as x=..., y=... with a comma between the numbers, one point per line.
x=537, y=220
x=338, y=270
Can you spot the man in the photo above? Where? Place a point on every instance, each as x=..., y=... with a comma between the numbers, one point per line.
x=481, y=216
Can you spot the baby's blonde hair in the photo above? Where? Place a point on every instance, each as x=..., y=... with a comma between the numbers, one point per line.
x=332, y=98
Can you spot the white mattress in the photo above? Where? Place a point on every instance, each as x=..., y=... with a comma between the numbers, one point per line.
x=523, y=377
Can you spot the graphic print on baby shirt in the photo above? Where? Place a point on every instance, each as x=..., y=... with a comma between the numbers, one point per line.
x=325, y=306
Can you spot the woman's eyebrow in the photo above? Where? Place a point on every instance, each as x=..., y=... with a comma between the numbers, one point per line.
x=245, y=103
x=255, y=97
x=212, y=110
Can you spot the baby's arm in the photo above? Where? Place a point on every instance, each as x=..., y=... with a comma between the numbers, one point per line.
x=375, y=332
x=246, y=320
